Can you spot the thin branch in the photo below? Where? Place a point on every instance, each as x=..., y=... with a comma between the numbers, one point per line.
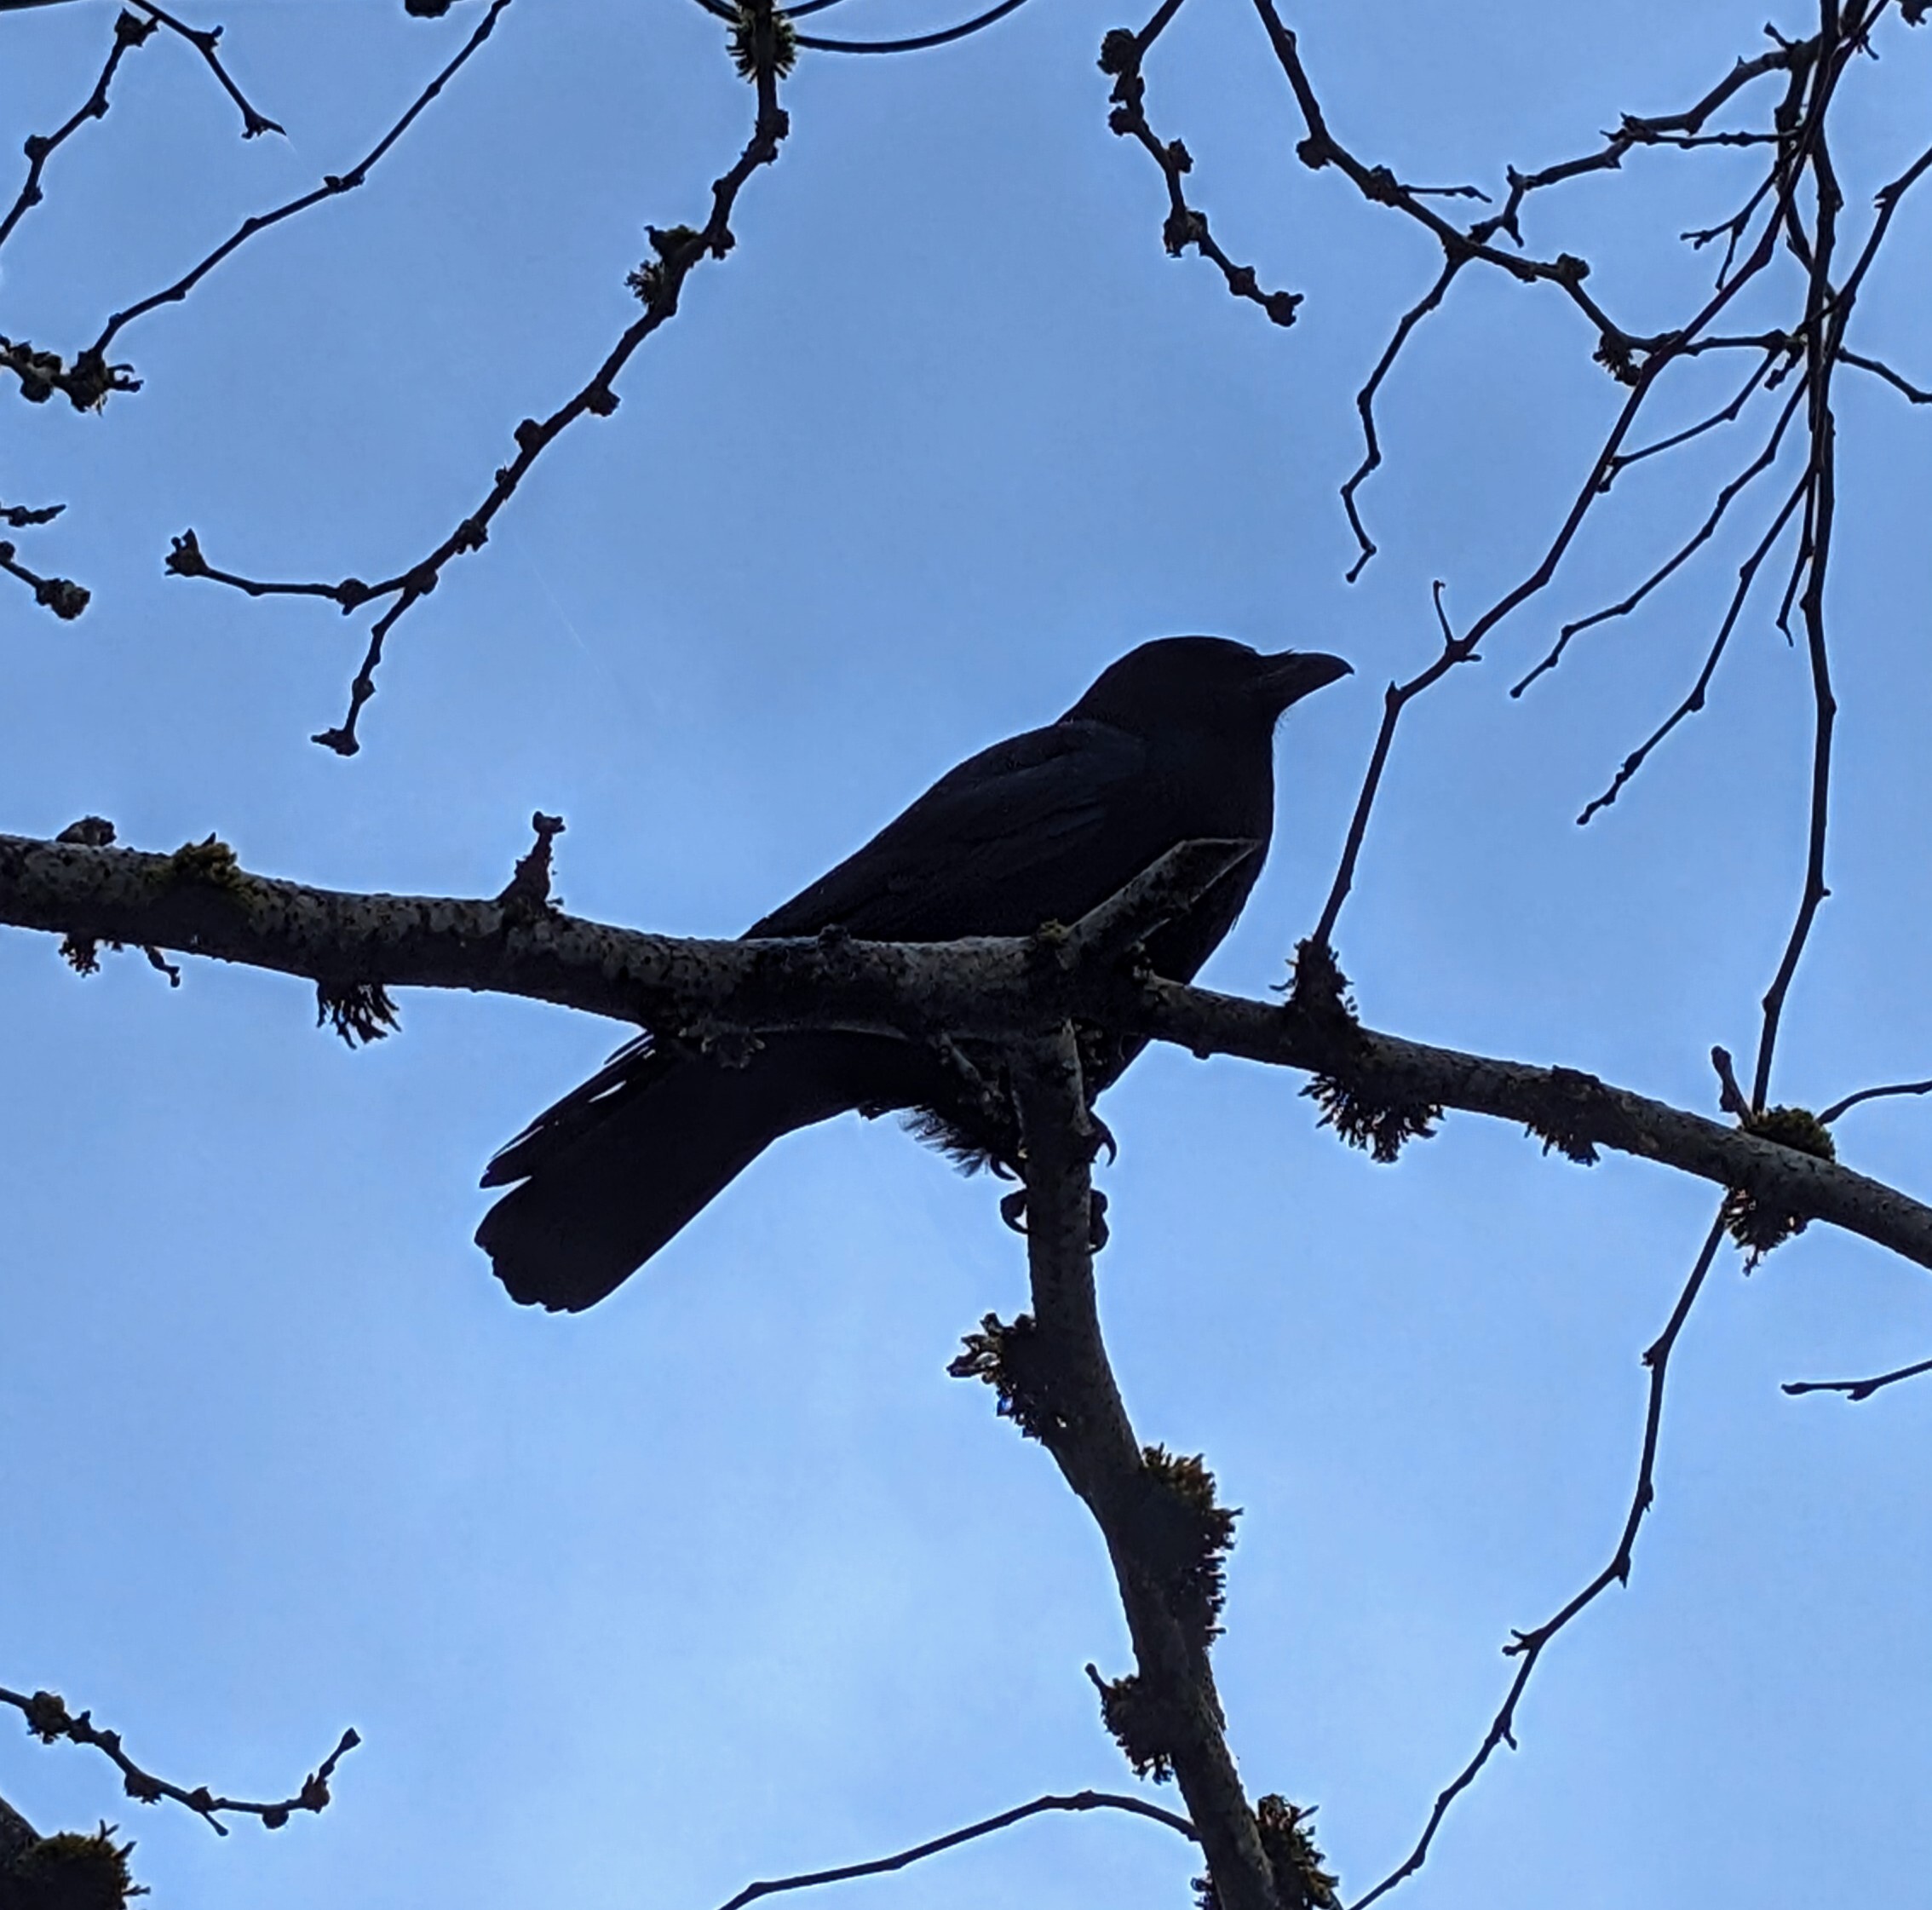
x=659, y=283
x=1879, y=368
x=61, y=595
x=332, y=186
x=1826, y=315
x=1365, y=406
x=50, y=1720
x=1857, y=1390
x=878, y=1866
x=1851, y=1101
x=1693, y=702
x=204, y=40
x=1528, y=1647
x=919, y=43
x=1395, y=699
x=1726, y=414
x=89, y=380
x=128, y=32
x=1121, y=55
x=1767, y=457
x=1635, y=131
x=19, y=517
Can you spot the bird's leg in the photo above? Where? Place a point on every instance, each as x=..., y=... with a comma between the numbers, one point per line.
x=1103, y=1137
x=1013, y=1210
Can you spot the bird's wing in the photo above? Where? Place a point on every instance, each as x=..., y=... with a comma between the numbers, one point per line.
x=1032, y=829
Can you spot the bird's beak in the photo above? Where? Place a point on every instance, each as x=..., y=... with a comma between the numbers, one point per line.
x=1288, y=675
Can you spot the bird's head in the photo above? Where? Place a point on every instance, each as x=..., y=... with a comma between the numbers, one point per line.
x=1204, y=682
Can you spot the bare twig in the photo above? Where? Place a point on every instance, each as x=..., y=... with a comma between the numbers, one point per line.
x=1121, y=55
x=1528, y=1647
x=1365, y=406
x=129, y=31
x=878, y=1866
x=1396, y=699
x=50, y=1720
x=1879, y=368
x=1857, y=1390
x=1693, y=701
x=89, y=380
x=1826, y=313
x=1726, y=414
x=204, y=40
x=333, y=185
x=658, y=284
x=1767, y=457
x=1851, y=1101
x=61, y=595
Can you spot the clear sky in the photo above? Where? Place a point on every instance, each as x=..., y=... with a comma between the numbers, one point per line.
x=727, y=1578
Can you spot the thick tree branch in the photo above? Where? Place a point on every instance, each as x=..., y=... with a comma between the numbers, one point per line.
x=199, y=901
x=1168, y=1716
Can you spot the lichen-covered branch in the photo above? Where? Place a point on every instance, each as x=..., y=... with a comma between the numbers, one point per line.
x=200, y=901
x=1167, y=1715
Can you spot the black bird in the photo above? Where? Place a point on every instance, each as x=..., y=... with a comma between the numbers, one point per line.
x=1173, y=743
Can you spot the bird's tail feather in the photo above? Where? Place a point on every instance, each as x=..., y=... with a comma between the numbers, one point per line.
x=605, y=1192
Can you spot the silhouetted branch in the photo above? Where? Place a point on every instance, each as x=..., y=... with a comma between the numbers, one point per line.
x=333, y=186
x=878, y=1866
x=1725, y=497
x=1055, y=1382
x=61, y=595
x=89, y=380
x=1365, y=406
x=1880, y=370
x=50, y=1720
x=1121, y=54
x=204, y=40
x=129, y=31
x=199, y=901
x=1827, y=310
x=19, y=517
x=1395, y=699
x=1851, y=1101
x=1857, y=1390
x=1726, y=414
x=1529, y=1645
x=1693, y=701
x=658, y=285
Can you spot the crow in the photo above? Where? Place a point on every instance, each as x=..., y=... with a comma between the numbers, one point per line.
x=1173, y=743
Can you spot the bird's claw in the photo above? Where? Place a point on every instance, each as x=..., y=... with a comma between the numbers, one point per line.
x=1013, y=1211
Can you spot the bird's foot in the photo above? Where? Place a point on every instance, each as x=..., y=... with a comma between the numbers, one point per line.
x=1013, y=1211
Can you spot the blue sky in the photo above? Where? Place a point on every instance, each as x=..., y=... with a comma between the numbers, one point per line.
x=726, y=1578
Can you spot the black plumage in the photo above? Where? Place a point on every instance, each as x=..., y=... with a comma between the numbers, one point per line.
x=1173, y=743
